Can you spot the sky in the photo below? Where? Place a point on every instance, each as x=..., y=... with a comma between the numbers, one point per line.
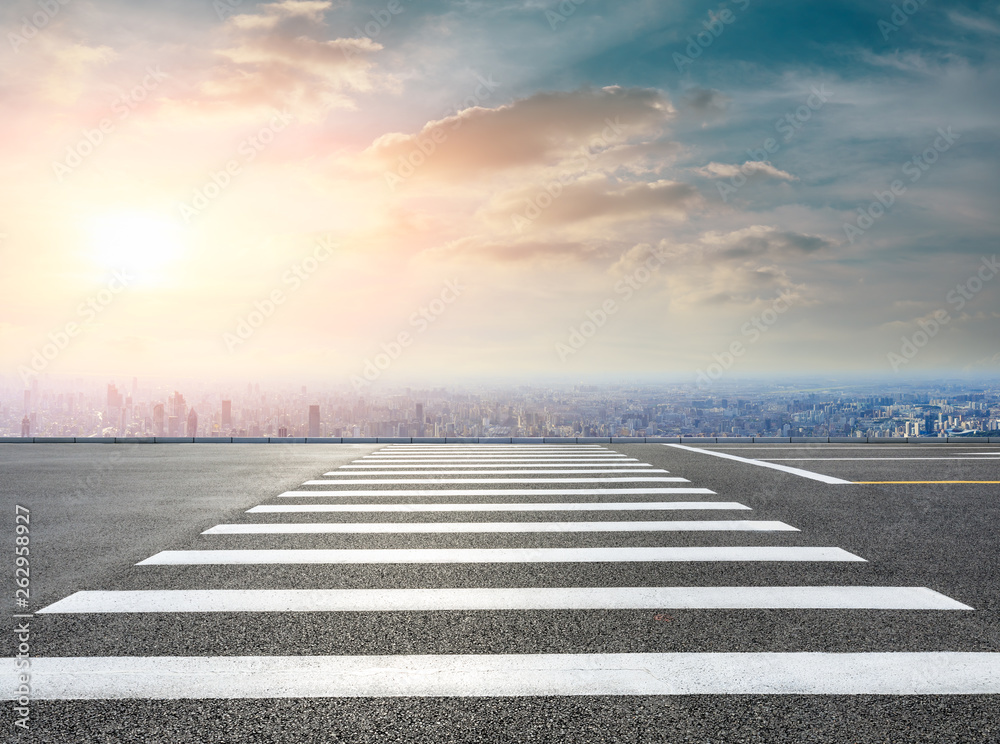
x=373, y=192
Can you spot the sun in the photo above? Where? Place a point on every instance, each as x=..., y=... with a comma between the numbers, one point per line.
x=140, y=241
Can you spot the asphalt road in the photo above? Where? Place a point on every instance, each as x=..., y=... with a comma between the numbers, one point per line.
x=97, y=510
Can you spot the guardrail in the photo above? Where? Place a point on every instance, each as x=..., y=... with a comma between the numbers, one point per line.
x=500, y=440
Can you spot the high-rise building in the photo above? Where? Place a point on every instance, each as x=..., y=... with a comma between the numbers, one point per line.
x=178, y=407
x=192, y=424
x=314, y=421
x=25, y=426
x=227, y=415
x=115, y=399
x=158, y=420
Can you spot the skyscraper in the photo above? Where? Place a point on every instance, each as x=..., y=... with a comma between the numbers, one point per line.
x=25, y=426
x=314, y=421
x=158, y=420
x=192, y=424
x=227, y=415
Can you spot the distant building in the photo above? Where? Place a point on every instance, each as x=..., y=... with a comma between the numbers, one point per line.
x=158, y=420
x=282, y=431
x=25, y=426
x=192, y=424
x=227, y=415
x=314, y=421
x=178, y=407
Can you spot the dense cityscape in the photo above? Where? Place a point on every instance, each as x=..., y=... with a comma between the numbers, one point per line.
x=129, y=408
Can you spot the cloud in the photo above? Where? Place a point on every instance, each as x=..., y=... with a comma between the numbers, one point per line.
x=272, y=59
x=273, y=14
x=704, y=103
x=543, y=129
x=751, y=167
x=592, y=197
x=974, y=23
x=511, y=251
x=764, y=240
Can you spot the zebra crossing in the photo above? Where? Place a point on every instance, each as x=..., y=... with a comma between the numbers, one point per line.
x=543, y=509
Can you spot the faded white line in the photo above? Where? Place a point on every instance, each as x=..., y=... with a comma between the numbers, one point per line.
x=341, y=473
x=535, y=598
x=663, y=479
x=760, y=463
x=364, y=528
x=493, y=492
x=510, y=466
x=544, y=506
x=495, y=448
x=508, y=675
x=497, y=460
x=495, y=555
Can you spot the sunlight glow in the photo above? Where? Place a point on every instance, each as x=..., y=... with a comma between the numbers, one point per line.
x=140, y=241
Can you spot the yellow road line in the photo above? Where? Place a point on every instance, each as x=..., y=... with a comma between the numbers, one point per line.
x=951, y=481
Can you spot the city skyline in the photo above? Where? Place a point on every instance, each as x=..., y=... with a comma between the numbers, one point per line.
x=779, y=409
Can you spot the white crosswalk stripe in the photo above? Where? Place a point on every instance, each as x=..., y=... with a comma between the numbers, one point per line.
x=628, y=479
x=603, y=598
x=496, y=492
x=432, y=527
x=278, y=541
x=504, y=507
